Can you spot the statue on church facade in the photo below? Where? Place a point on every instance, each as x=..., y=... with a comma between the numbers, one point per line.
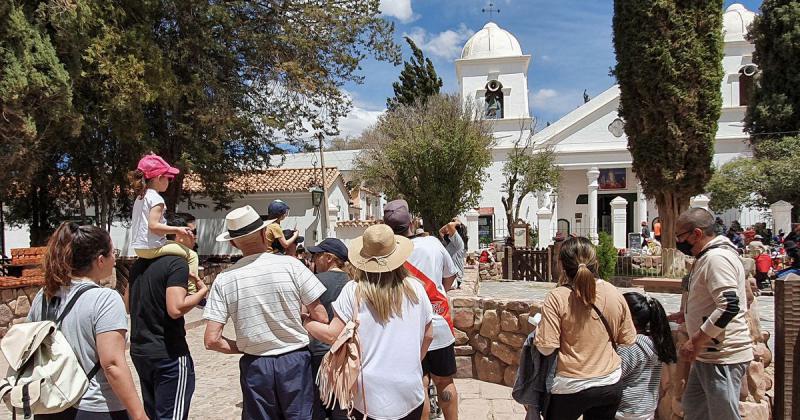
x=494, y=105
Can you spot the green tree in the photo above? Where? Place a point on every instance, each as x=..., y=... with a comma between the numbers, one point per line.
x=418, y=80
x=774, y=107
x=527, y=170
x=606, y=257
x=432, y=154
x=669, y=57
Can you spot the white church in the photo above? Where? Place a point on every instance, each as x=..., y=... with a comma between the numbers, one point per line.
x=597, y=185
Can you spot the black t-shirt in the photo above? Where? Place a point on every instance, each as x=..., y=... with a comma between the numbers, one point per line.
x=333, y=281
x=154, y=334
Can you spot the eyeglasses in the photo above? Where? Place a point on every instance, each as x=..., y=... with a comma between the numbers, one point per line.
x=678, y=236
x=116, y=252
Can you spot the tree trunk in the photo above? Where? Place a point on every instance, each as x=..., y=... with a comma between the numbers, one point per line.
x=670, y=206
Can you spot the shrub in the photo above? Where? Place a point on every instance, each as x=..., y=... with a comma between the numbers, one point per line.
x=606, y=257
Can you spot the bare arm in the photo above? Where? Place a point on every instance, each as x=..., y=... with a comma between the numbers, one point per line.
x=214, y=340
x=157, y=228
x=327, y=333
x=448, y=282
x=317, y=312
x=286, y=242
x=427, y=339
x=179, y=302
x=111, y=352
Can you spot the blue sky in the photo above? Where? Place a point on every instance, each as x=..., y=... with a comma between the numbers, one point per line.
x=569, y=42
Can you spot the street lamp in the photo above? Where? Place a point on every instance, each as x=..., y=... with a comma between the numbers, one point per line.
x=316, y=196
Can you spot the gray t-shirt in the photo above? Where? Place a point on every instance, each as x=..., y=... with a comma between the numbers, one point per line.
x=456, y=250
x=97, y=311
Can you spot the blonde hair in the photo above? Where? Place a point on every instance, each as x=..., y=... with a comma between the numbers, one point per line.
x=579, y=262
x=385, y=291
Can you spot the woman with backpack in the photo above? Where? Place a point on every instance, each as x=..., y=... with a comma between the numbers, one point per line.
x=393, y=317
x=77, y=258
x=584, y=319
x=641, y=362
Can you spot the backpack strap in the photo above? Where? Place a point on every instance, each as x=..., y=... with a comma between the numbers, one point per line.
x=602, y=319
x=72, y=302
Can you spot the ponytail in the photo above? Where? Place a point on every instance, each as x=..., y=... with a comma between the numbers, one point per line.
x=138, y=182
x=579, y=261
x=71, y=251
x=650, y=319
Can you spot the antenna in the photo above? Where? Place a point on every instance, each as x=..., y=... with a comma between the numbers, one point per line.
x=491, y=10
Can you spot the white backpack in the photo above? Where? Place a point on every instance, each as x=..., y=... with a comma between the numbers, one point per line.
x=44, y=375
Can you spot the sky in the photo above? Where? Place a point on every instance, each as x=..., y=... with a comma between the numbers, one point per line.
x=569, y=42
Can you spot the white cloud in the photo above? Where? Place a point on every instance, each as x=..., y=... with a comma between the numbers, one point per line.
x=546, y=58
x=446, y=44
x=399, y=9
x=360, y=117
x=552, y=102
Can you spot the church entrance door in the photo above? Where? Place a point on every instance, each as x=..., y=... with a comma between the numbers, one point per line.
x=605, y=223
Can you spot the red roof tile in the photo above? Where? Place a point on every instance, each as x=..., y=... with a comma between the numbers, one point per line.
x=270, y=180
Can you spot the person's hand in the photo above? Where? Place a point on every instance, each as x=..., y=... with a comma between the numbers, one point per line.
x=678, y=317
x=296, y=234
x=185, y=231
x=688, y=350
x=199, y=283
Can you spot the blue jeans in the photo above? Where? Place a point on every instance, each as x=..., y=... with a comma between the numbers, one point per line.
x=277, y=387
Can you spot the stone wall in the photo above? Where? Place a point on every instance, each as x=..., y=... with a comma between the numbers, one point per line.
x=489, y=336
x=14, y=306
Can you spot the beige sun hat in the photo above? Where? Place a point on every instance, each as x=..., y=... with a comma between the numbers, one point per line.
x=242, y=222
x=379, y=250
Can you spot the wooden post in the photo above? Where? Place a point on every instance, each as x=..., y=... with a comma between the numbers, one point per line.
x=787, y=349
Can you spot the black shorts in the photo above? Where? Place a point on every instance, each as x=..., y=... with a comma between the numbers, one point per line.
x=440, y=362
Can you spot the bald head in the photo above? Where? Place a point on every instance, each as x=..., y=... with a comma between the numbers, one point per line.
x=697, y=218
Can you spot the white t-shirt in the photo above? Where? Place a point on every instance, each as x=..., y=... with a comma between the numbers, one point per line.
x=432, y=259
x=262, y=294
x=141, y=237
x=390, y=354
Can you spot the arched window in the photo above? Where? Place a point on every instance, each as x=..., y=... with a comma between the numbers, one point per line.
x=563, y=226
x=746, y=83
x=493, y=104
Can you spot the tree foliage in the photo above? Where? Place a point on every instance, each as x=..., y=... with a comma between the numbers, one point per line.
x=606, y=257
x=418, y=80
x=669, y=56
x=433, y=154
x=211, y=86
x=775, y=103
x=526, y=171
x=759, y=182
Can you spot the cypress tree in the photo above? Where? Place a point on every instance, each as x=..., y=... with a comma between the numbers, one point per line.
x=418, y=80
x=775, y=101
x=669, y=56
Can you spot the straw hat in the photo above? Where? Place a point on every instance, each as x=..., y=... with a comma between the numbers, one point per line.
x=242, y=222
x=379, y=250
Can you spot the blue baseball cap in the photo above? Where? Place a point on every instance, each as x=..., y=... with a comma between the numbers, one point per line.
x=332, y=245
x=277, y=207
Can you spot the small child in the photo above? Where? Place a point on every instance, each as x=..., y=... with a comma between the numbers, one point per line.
x=641, y=362
x=277, y=211
x=763, y=267
x=149, y=226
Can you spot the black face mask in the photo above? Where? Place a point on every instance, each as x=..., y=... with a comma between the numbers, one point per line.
x=685, y=247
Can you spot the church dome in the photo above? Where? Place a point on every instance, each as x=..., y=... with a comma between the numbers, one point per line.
x=491, y=42
x=735, y=22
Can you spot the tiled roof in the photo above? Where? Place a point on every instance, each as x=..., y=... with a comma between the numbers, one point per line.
x=357, y=223
x=270, y=180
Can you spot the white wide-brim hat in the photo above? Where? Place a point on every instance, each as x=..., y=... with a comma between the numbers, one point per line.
x=242, y=222
x=379, y=250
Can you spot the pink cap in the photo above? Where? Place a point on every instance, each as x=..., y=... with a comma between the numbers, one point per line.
x=154, y=165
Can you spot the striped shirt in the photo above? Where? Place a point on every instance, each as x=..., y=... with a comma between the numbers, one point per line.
x=262, y=295
x=641, y=376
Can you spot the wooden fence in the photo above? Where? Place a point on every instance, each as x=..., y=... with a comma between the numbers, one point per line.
x=528, y=264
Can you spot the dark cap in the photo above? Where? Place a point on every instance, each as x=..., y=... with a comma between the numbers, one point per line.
x=277, y=207
x=331, y=245
x=397, y=216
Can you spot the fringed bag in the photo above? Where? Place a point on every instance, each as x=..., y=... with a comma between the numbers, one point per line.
x=340, y=370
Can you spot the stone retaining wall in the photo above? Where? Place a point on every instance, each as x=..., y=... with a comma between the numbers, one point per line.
x=489, y=336
x=14, y=306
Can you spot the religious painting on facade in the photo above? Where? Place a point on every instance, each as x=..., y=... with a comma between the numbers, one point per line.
x=612, y=179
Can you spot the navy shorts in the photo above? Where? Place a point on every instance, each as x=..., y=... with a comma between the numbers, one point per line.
x=277, y=387
x=167, y=386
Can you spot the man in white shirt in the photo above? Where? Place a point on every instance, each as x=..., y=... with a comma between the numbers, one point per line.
x=431, y=264
x=263, y=294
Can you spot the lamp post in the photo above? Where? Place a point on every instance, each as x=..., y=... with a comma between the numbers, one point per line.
x=324, y=209
x=316, y=196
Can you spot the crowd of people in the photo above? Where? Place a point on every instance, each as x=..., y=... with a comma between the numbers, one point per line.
x=602, y=351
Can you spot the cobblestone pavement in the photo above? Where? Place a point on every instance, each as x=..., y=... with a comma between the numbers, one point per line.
x=217, y=394
x=670, y=301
